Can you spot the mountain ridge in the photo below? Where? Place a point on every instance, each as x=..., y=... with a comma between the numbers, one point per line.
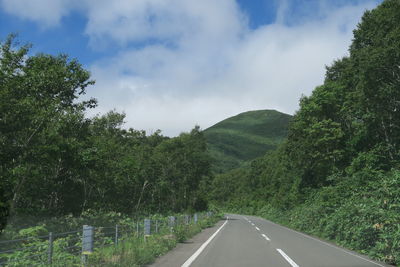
x=245, y=136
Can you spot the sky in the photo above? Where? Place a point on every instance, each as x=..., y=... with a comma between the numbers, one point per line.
x=174, y=64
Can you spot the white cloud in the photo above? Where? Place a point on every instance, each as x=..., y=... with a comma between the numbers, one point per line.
x=206, y=77
x=204, y=62
x=170, y=20
x=46, y=12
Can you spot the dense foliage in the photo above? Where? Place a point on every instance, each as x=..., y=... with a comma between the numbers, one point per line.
x=56, y=161
x=338, y=173
x=244, y=137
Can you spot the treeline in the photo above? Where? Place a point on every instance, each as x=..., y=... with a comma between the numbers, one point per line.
x=55, y=161
x=338, y=173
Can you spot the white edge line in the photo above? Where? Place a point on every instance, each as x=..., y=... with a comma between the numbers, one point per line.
x=258, y=229
x=338, y=248
x=287, y=258
x=197, y=253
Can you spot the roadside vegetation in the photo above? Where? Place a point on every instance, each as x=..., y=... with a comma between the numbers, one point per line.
x=337, y=175
x=119, y=240
x=141, y=251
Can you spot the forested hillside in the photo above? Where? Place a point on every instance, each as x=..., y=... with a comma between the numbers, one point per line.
x=245, y=137
x=337, y=175
x=54, y=161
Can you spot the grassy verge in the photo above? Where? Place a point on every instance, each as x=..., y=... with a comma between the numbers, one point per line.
x=137, y=251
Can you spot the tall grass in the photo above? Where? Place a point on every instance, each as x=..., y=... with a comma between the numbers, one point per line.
x=138, y=251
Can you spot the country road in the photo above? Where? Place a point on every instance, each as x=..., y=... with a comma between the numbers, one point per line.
x=253, y=241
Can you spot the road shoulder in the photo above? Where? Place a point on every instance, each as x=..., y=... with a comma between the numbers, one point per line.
x=183, y=251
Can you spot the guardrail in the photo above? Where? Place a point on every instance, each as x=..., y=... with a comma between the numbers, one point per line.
x=74, y=247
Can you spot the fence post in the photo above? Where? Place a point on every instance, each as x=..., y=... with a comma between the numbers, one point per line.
x=116, y=235
x=137, y=228
x=50, y=251
x=87, y=243
x=147, y=227
x=187, y=218
x=156, y=226
x=195, y=218
x=171, y=223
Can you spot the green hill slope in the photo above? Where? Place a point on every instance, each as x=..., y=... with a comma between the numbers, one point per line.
x=246, y=136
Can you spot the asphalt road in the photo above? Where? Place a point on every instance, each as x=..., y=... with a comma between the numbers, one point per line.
x=252, y=241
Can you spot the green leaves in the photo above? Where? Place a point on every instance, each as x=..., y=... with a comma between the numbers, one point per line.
x=41, y=124
x=55, y=161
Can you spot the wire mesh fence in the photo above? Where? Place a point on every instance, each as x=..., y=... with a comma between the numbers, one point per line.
x=73, y=248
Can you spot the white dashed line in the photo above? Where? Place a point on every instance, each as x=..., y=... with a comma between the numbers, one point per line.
x=266, y=237
x=258, y=229
x=291, y=262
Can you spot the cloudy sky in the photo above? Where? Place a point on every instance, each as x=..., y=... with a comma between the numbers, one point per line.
x=174, y=64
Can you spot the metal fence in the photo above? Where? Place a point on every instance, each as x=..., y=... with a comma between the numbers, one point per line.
x=74, y=247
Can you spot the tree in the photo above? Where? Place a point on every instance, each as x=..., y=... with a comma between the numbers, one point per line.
x=375, y=52
x=38, y=110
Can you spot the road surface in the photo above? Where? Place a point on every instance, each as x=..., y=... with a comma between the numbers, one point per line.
x=253, y=241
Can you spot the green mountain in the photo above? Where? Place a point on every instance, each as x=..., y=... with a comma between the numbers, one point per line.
x=246, y=136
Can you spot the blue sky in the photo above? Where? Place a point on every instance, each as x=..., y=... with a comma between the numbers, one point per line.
x=172, y=64
x=68, y=36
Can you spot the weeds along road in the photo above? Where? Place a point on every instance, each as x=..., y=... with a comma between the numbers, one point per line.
x=252, y=241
